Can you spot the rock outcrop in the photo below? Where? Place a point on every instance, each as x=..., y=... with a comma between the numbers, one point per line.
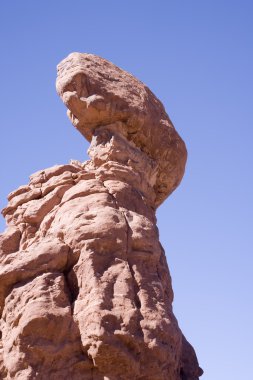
x=85, y=288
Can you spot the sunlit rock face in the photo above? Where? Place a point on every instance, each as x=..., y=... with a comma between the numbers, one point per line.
x=85, y=288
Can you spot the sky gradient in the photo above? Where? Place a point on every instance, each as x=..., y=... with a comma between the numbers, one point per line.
x=197, y=57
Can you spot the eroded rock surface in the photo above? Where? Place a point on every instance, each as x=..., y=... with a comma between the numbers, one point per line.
x=85, y=288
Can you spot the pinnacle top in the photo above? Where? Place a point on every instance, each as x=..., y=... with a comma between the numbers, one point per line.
x=98, y=93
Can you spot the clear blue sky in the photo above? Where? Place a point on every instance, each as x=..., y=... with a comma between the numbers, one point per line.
x=197, y=57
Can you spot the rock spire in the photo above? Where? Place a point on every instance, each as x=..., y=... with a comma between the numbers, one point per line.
x=85, y=288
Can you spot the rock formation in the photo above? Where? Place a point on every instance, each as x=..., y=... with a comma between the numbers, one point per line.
x=85, y=288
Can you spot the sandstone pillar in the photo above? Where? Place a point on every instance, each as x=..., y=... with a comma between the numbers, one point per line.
x=85, y=288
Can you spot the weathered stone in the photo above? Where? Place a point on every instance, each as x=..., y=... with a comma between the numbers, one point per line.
x=50, y=255
x=20, y=190
x=37, y=209
x=85, y=288
x=45, y=175
x=9, y=240
x=97, y=93
x=21, y=199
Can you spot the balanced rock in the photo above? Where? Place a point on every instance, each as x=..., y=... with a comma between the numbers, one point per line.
x=85, y=288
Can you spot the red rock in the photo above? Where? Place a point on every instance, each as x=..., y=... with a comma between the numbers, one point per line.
x=97, y=93
x=21, y=199
x=85, y=288
x=20, y=190
x=9, y=240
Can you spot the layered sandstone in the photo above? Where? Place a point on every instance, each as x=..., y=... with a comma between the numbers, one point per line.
x=85, y=288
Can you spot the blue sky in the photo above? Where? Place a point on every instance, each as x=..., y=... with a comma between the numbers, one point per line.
x=197, y=57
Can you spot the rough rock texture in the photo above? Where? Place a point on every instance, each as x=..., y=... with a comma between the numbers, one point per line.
x=85, y=288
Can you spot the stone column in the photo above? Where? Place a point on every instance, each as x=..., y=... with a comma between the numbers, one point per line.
x=85, y=288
